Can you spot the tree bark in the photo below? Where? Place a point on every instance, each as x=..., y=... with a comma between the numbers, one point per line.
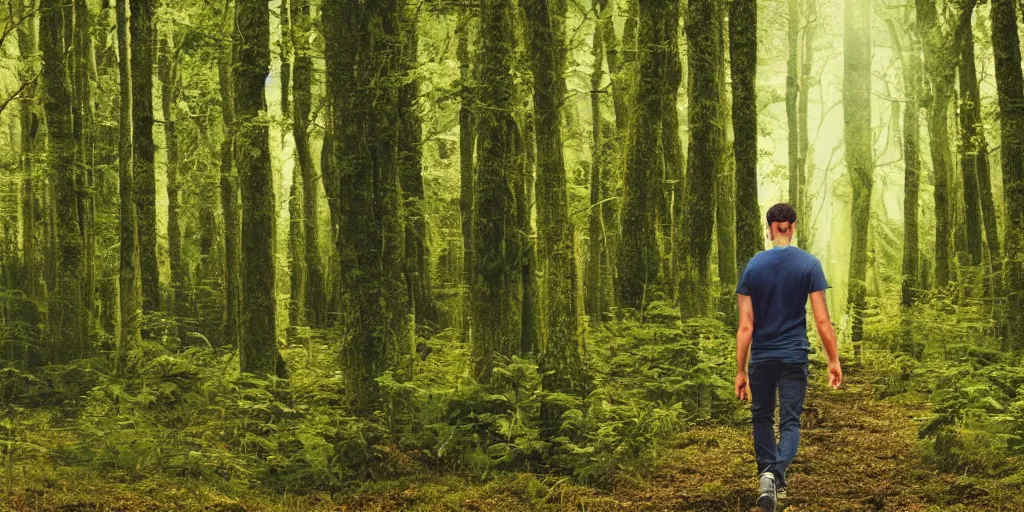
x=806, y=161
x=703, y=31
x=168, y=70
x=467, y=141
x=68, y=313
x=316, y=292
x=561, y=355
x=410, y=153
x=638, y=259
x=596, y=260
x=366, y=126
x=1010, y=89
x=499, y=186
x=229, y=190
x=130, y=291
x=259, y=354
x=143, y=37
x=743, y=63
x=859, y=154
x=970, y=144
x=792, y=93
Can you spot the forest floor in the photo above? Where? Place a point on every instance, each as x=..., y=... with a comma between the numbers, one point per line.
x=858, y=453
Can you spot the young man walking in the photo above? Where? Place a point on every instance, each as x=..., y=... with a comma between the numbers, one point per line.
x=772, y=297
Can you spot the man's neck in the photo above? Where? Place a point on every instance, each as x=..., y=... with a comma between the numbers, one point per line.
x=782, y=242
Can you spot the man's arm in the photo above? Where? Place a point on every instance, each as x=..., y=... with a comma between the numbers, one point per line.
x=828, y=337
x=744, y=335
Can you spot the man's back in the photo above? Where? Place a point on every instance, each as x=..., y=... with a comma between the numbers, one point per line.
x=778, y=282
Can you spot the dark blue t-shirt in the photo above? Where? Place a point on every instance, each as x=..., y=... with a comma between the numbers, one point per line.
x=778, y=282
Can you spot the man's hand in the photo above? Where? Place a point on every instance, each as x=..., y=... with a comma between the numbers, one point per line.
x=835, y=374
x=741, y=386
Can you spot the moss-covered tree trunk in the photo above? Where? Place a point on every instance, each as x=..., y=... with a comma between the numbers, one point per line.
x=316, y=304
x=971, y=136
x=911, y=68
x=130, y=291
x=725, y=189
x=363, y=52
x=258, y=347
x=806, y=161
x=703, y=32
x=673, y=161
x=84, y=132
x=594, y=300
x=561, y=349
x=467, y=141
x=68, y=314
x=859, y=154
x=1010, y=88
x=410, y=153
x=743, y=64
x=229, y=189
x=168, y=71
x=497, y=220
x=142, y=26
x=792, y=97
x=638, y=258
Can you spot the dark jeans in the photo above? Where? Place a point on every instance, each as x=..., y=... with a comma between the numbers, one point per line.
x=790, y=380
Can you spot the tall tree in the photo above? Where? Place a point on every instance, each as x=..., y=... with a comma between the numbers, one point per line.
x=144, y=42
x=792, y=94
x=410, y=152
x=1010, y=90
x=910, y=66
x=259, y=354
x=366, y=124
x=743, y=64
x=596, y=259
x=28, y=121
x=83, y=129
x=806, y=162
x=499, y=185
x=969, y=120
x=674, y=162
x=168, y=72
x=703, y=32
x=859, y=154
x=638, y=257
x=229, y=188
x=725, y=186
x=68, y=314
x=467, y=141
x=561, y=355
x=315, y=293
x=941, y=54
x=130, y=291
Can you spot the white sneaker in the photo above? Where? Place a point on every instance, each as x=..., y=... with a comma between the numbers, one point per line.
x=766, y=487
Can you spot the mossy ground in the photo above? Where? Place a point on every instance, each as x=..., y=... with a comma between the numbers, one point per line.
x=858, y=453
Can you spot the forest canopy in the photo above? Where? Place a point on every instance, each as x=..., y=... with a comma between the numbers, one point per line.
x=306, y=246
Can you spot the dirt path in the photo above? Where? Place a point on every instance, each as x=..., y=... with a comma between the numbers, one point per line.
x=857, y=453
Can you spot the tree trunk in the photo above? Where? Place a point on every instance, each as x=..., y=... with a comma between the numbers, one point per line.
x=859, y=154
x=911, y=67
x=806, y=161
x=594, y=299
x=703, y=31
x=84, y=133
x=639, y=258
x=466, y=170
x=68, y=314
x=168, y=70
x=315, y=292
x=970, y=138
x=674, y=163
x=143, y=38
x=410, y=153
x=297, y=255
x=28, y=120
x=792, y=93
x=561, y=355
x=229, y=190
x=743, y=63
x=499, y=185
x=366, y=126
x=1010, y=88
x=725, y=190
x=259, y=354
x=130, y=291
